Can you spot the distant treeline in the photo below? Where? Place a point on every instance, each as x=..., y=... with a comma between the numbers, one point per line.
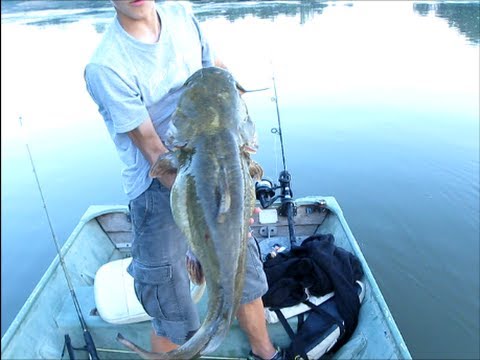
x=262, y=9
x=463, y=16
x=14, y=6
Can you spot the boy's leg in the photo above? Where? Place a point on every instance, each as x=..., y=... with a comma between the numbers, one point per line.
x=161, y=280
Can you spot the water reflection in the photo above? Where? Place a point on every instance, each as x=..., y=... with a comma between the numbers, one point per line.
x=465, y=17
x=15, y=6
x=263, y=10
x=60, y=12
x=54, y=12
x=62, y=19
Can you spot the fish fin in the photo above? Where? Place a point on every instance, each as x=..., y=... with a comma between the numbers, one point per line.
x=255, y=170
x=194, y=268
x=197, y=292
x=196, y=275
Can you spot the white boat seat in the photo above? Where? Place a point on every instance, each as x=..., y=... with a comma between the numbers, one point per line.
x=115, y=297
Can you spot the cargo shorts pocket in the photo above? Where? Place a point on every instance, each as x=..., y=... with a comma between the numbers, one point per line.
x=140, y=209
x=255, y=283
x=155, y=289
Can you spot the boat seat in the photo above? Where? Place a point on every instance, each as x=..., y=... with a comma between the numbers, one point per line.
x=114, y=293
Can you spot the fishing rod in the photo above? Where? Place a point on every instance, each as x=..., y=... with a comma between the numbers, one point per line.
x=89, y=344
x=266, y=191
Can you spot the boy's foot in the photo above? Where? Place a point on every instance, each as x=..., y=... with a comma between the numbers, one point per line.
x=279, y=355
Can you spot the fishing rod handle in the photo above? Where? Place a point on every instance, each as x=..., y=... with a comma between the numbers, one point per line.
x=92, y=350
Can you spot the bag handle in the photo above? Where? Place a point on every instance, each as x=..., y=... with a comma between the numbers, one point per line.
x=325, y=314
x=298, y=345
x=285, y=324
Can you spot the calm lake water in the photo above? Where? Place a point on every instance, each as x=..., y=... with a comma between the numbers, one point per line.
x=379, y=104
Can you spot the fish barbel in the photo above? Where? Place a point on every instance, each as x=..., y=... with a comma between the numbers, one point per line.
x=212, y=198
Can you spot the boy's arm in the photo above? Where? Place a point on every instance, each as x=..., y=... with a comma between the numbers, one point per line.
x=147, y=140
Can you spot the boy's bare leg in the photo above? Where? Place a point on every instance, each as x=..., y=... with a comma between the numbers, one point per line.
x=251, y=318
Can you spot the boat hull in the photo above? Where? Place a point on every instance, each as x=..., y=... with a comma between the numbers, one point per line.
x=104, y=234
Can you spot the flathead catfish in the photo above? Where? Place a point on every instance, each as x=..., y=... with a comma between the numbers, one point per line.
x=213, y=196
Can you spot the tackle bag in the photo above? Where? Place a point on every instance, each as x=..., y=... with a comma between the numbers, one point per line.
x=316, y=267
x=318, y=329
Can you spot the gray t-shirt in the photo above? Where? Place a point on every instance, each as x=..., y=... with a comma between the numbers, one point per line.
x=130, y=81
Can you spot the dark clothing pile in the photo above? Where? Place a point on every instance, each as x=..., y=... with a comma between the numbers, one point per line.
x=321, y=267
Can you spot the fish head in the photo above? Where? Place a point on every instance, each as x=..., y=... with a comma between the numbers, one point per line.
x=210, y=103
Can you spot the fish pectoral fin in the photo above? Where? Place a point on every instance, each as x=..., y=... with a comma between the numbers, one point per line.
x=255, y=170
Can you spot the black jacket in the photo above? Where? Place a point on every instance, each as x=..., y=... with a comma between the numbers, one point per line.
x=321, y=267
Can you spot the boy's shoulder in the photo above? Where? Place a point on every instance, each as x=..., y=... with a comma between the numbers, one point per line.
x=105, y=49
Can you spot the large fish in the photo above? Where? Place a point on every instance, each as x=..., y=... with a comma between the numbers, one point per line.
x=212, y=198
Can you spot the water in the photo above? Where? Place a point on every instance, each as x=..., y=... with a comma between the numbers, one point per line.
x=379, y=108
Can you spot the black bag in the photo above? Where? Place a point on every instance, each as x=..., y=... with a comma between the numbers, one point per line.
x=319, y=266
x=319, y=331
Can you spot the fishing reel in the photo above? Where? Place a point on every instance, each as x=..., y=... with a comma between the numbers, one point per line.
x=266, y=192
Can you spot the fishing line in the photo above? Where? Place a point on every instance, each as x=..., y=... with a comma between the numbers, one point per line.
x=288, y=207
x=266, y=191
x=279, y=130
x=90, y=346
x=275, y=150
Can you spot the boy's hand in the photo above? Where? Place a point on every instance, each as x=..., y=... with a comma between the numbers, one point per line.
x=252, y=220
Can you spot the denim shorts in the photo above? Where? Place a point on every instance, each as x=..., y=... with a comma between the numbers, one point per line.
x=161, y=280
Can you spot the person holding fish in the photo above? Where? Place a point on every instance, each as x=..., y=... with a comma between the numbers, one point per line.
x=136, y=76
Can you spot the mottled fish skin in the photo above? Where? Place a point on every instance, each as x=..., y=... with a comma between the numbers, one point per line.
x=212, y=198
